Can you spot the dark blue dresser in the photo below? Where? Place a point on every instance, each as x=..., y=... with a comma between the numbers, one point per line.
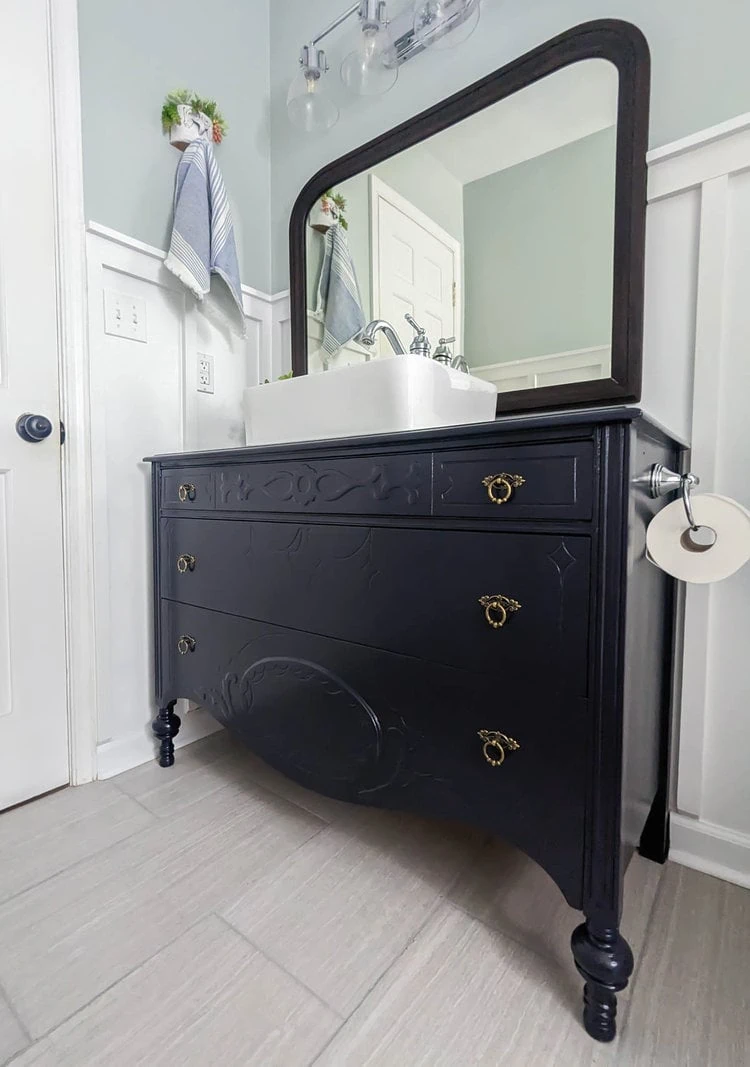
x=458, y=622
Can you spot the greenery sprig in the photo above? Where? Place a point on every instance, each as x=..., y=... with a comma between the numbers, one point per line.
x=170, y=116
x=340, y=202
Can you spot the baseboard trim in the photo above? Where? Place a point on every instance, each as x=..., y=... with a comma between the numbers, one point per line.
x=711, y=849
x=115, y=757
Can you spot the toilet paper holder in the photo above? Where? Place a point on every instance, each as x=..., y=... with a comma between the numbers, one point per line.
x=663, y=481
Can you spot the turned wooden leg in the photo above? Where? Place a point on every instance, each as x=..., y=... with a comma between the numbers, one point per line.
x=605, y=961
x=166, y=727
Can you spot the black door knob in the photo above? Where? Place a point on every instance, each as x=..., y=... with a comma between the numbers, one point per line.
x=33, y=428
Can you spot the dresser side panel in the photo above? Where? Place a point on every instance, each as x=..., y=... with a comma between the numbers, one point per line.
x=649, y=659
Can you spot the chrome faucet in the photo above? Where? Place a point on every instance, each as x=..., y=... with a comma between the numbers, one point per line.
x=367, y=336
x=420, y=346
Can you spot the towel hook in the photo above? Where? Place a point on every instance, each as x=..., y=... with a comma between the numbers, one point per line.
x=664, y=481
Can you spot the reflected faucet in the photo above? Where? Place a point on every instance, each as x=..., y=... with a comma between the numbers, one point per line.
x=367, y=336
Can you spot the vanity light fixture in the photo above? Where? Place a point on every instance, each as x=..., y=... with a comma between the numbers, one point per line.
x=372, y=68
x=307, y=104
x=436, y=22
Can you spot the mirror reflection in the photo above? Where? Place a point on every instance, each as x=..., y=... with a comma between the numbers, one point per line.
x=488, y=247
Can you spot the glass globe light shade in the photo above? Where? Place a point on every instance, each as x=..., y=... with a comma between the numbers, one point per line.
x=308, y=106
x=365, y=70
x=435, y=25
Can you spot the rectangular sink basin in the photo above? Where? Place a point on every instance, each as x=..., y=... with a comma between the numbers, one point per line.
x=384, y=396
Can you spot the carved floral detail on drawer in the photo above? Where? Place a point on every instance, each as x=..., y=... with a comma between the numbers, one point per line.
x=278, y=704
x=358, y=484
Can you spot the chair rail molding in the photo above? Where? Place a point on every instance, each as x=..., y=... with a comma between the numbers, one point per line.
x=697, y=333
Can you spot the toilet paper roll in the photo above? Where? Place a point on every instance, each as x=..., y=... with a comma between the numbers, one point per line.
x=671, y=548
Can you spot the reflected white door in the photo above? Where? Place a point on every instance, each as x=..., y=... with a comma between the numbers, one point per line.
x=33, y=716
x=416, y=268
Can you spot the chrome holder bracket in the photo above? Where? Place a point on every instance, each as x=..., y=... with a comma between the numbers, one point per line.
x=663, y=481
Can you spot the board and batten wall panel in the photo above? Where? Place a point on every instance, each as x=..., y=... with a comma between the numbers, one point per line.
x=697, y=381
x=145, y=401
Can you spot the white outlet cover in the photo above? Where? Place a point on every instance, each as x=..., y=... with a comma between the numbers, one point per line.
x=205, y=373
x=124, y=316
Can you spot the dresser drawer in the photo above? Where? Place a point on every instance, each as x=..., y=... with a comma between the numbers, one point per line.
x=364, y=485
x=378, y=728
x=413, y=591
x=189, y=489
x=554, y=481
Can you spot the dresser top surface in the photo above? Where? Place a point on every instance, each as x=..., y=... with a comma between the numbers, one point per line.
x=476, y=434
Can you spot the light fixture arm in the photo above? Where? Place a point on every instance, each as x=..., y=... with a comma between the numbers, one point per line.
x=353, y=10
x=407, y=47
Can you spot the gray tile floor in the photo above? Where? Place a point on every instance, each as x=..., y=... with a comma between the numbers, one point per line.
x=219, y=914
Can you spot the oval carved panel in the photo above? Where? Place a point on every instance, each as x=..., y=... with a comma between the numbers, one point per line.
x=309, y=723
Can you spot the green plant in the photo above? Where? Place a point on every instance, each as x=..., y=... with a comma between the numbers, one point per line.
x=340, y=202
x=281, y=378
x=170, y=116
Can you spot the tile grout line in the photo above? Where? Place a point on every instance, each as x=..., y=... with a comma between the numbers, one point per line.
x=281, y=967
x=624, y=1019
x=49, y=1034
x=83, y=859
x=438, y=901
x=14, y=1012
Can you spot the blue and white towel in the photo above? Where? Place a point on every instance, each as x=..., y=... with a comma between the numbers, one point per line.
x=339, y=303
x=202, y=231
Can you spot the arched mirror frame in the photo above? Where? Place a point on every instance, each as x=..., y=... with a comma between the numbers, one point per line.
x=623, y=45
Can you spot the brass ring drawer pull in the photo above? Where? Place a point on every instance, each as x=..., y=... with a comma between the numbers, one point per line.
x=497, y=609
x=186, y=563
x=186, y=492
x=500, y=486
x=186, y=644
x=496, y=746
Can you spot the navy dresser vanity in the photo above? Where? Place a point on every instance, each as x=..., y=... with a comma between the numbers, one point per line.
x=460, y=621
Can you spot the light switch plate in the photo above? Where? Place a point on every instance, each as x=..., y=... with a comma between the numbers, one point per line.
x=205, y=373
x=124, y=316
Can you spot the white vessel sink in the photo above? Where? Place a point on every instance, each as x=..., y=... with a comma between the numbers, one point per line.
x=386, y=395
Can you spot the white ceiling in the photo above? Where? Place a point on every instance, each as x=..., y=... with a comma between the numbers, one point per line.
x=571, y=103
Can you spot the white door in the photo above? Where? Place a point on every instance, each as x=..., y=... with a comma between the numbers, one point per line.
x=33, y=716
x=416, y=269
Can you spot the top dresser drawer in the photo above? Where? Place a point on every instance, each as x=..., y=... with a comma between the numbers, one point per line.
x=187, y=488
x=553, y=481
x=363, y=485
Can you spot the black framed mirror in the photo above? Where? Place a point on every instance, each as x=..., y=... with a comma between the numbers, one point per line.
x=508, y=221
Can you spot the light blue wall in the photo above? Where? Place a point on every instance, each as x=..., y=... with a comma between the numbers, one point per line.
x=539, y=254
x=132, y=53
x=701, y=75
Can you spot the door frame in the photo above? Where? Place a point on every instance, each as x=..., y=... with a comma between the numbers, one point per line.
x=75, y=400
x=380, y=190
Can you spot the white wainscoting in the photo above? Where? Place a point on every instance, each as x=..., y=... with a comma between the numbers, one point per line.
x=697, y=381
x=145, y=401
x=560, y=368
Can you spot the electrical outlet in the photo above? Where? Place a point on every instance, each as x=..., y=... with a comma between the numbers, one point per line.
x=124, y=316
x=205, y=373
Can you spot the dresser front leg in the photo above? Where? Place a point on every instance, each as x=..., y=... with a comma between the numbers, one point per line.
x=166, y=727
x=605, y=961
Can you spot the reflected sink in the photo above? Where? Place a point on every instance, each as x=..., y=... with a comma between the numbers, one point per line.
x=386, y=395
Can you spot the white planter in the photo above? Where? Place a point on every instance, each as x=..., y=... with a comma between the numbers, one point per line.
x=192, y=125
x=324, y=215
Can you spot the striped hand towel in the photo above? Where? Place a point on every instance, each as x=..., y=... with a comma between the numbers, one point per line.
x=339, y=303
x=202, y=231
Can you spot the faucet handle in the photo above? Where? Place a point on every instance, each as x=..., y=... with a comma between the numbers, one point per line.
x=420, y=345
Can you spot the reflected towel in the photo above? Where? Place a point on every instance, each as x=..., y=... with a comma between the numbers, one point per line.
x=202, y=231
x=339, y=303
